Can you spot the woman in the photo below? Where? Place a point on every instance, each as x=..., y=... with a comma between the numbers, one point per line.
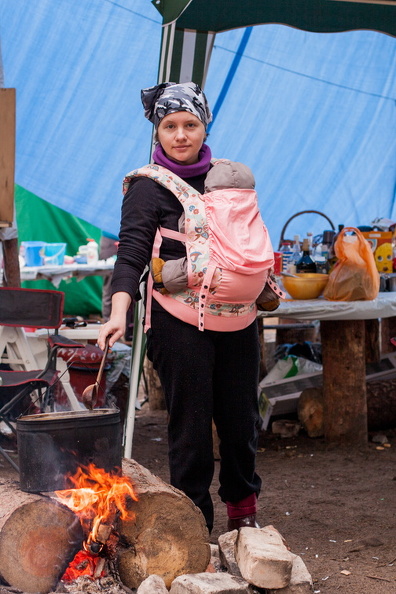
x=205, y=374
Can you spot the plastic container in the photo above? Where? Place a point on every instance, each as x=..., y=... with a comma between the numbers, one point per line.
x=54, y=253
x=92, y=252
x=305, y=285
x=33, y=252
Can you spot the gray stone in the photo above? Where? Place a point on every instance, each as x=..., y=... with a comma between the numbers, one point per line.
x=209, y=583
x=154, y=584
x=215, y=563
x=227, y=552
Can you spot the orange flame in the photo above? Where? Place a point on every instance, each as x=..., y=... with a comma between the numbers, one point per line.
x=98, y=496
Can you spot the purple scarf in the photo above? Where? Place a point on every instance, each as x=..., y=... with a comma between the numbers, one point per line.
x=183, y=171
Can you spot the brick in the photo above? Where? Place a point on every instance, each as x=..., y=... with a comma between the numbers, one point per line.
x=300, y=581
x=209, y=583
x=273, y=535
x=262, y=563
x=154, y=584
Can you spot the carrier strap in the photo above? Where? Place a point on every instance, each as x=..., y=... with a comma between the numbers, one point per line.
x=203, y=295
x=275, y=287
x=170, y=234
x=150, y=283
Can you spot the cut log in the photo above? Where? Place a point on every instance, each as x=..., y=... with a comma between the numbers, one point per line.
x=381, y=407
x=310, y=411
x=38, y=539
x=381, y=404
x=168, y=536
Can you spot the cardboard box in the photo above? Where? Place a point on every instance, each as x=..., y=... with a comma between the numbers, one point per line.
x=381, y=245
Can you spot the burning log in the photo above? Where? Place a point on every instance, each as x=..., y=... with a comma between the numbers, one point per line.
x=168, y=536
x=38, y=539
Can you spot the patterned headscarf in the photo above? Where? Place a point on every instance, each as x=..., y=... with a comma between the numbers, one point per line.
x=168, y=97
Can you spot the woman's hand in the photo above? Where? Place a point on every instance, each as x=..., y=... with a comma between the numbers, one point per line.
x=116, y=326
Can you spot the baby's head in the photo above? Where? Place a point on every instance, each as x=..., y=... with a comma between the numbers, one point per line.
x=229, y=174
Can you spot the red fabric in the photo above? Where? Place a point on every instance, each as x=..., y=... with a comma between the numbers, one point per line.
x=243, y=508
x=87, y=357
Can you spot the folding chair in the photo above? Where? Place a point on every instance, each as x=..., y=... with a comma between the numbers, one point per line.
x=20, y=380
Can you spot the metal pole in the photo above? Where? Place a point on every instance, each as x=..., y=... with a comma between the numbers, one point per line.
x=137, y=347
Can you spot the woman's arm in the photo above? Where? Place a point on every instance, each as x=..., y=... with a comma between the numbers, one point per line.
x=116, y=326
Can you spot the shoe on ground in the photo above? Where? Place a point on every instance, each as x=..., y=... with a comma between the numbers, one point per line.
x=236, y=523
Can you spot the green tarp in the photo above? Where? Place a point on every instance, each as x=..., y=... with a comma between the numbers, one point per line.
x=40, y=221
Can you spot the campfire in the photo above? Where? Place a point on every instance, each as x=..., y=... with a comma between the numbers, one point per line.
x=103, y=526
x=99, y=499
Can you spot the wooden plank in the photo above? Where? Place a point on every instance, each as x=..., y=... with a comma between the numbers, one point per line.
x=11, y=270
x=344, y=382
x=7, y=156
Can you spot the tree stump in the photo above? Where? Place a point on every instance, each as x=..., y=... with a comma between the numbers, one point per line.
x=168, y=536
x=38, y=539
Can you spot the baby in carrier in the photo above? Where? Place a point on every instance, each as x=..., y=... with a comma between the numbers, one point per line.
x=172, y=276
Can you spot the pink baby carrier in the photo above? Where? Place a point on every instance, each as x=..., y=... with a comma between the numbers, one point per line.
x=229, y=254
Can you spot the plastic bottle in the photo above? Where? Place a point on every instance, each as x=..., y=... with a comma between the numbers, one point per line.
x=305, y=263
x=287, y=252
x=320, y=258
x=296, y=255
x=92, y=252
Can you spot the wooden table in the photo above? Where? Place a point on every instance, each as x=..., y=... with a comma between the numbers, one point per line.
x=343, y=337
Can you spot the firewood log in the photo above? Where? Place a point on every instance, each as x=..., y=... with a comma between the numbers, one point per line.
x=38, y=539
x=168, y=536
x=310, y=411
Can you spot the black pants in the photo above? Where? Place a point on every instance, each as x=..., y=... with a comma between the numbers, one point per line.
x=208, y=375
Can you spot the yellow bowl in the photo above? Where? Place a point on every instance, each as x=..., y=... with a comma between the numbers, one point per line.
x=306, y=285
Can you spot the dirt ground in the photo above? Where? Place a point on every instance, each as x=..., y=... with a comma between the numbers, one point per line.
x=335, y=507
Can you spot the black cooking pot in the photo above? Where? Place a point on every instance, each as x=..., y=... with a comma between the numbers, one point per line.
x=52, y=446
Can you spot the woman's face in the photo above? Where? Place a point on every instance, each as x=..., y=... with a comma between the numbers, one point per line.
x=181, y=135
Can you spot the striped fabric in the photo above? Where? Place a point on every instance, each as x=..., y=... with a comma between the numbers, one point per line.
x=185, y=54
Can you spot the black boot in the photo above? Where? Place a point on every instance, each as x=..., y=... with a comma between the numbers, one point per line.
x=236, y=523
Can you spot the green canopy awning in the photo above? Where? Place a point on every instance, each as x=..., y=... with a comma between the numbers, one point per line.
x=311, y=15
x=190, y=26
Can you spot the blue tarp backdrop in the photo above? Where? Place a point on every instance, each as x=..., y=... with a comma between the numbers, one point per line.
x=313, y=114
